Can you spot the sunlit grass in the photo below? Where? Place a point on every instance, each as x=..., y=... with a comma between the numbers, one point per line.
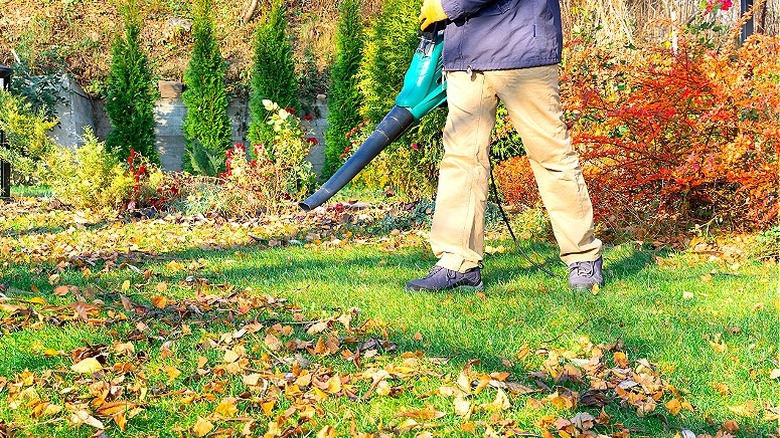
x=710, y=327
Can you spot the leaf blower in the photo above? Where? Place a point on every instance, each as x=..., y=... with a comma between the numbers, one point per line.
x=424, y=89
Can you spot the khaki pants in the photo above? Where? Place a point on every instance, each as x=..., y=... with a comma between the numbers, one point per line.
x=532, y=97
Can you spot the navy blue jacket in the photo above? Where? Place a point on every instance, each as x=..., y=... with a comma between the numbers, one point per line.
x=501, y=34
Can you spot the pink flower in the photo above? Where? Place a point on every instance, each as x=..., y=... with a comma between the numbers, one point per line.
x=415, y=146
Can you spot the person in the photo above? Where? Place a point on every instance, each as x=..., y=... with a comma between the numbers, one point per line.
x=506, y=50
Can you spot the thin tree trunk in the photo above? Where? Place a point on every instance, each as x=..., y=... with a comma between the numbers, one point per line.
x=250, y=11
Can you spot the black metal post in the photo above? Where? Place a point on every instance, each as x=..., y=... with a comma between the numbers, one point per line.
x=747, y=28
x=5, y=167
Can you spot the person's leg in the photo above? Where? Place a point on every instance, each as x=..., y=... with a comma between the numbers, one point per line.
x=457, y=233
x=532, y=98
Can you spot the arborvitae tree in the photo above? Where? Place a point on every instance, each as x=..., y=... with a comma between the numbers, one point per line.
x=206, y=125
x=129, y=96
x=273, y=75
x=344, y=98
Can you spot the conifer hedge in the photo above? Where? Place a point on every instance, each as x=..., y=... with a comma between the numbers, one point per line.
x=344, y=98
x=206, y=125
x=273, y=73
x=129, y=93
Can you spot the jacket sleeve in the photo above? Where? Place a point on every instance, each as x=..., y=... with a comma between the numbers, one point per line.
x=456, y=9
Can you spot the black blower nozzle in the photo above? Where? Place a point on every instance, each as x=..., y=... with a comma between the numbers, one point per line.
x=390, y=129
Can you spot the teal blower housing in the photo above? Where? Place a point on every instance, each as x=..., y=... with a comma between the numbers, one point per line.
x=424, y=89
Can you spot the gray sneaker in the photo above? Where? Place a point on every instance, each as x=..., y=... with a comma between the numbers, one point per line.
x=441, y=279
x=584, y=275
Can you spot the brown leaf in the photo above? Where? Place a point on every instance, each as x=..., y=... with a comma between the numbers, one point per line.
x=620, y=359
x=428, y=413
x=731, y=427
x=160, y=302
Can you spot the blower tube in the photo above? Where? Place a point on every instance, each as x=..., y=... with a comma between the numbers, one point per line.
x=390, y=129
x=424, y=89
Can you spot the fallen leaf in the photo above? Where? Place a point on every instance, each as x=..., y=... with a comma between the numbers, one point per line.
x=89, y=365
x=731, y=426
x=202, y=427
x=160, y=302
x=462, y=406
x=428, y=413
x=228, y=407
x=673, y=406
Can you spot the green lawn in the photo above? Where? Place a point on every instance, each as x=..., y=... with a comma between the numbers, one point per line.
x=180, y=291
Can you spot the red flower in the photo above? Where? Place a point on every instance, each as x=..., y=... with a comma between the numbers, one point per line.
x=312, y=140
x=308, y=117
x=415, y=146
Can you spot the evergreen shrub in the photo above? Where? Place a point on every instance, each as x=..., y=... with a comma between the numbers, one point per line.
x=129, y=93
x=273, y=72
x=207, y=129
x=344, y=99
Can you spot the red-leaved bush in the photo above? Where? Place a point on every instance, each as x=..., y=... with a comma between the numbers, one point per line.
x=670, y=140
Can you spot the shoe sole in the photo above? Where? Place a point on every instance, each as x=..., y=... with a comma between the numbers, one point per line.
x=462, y=288
x=585, y=287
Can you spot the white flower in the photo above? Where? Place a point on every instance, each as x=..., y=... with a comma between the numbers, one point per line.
x=270, y=105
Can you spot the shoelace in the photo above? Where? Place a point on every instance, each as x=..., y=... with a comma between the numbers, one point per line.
x=585, y=269
x=433, y=271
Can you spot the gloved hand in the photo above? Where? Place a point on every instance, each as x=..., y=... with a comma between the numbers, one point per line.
x=431, y=12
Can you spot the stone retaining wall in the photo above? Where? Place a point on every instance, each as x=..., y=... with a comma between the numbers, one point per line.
x=79, y=113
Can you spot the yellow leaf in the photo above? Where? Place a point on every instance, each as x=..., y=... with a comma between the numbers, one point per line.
x=524, y=350
x=746, y=410
x=327, y=432
x=202, y=427
x=501, y=403
x=230, y=356
x=121, y=420
x=87, y=366
x=673, y=406
x=126, y=348
x=171, y=371
x=268, y=406
x=334, y=385
x=720, y=346
x=462, y=406
x=37, y=300
x=125, y=286
x=468, y=427
x=228, y=407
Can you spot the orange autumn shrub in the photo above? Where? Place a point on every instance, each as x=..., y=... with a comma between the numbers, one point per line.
x=516, y=181
x=671, y=140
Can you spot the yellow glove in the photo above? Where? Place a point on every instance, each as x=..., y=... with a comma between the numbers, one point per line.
x=431, y=12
